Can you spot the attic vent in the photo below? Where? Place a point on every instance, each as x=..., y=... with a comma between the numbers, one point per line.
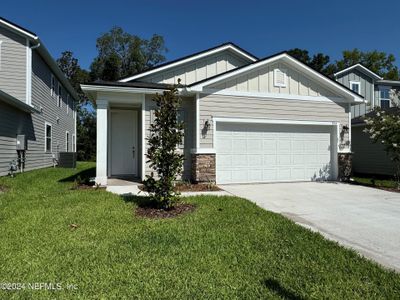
x=280, y=77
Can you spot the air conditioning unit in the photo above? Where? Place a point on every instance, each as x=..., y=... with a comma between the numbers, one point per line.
x=67, y=159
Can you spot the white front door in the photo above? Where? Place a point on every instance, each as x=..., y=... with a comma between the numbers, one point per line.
x=267, y=153
x=123, y=136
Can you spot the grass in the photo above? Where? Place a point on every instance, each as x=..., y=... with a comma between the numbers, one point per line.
x=227, y=249
x=374, y=182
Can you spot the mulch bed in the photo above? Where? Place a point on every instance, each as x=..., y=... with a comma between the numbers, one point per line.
x=189, y=187
x=156, y=213
x=389, y=189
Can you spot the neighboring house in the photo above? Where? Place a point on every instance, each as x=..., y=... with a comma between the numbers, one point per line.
x=36, y=101
x=246, y=119
x=369, y=158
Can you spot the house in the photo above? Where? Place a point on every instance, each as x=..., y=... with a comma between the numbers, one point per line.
x=246, y=119
x=369, y=157
x=36, y=102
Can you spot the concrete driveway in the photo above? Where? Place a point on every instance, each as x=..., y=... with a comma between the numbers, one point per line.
x=362, y=218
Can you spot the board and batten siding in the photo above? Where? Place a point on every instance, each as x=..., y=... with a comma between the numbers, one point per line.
x=369, y=157
x=366, y=90
x=262, y=81
x=13, y=64
x=212, y=106
x=200, y=69
x=188, y=108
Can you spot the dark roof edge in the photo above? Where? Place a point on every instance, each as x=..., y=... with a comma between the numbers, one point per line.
x=191, y=55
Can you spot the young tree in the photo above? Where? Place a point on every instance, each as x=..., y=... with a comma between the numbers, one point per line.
x=384, y=127
x=166, y=133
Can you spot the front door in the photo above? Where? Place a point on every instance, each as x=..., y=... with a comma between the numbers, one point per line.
x=124, y=147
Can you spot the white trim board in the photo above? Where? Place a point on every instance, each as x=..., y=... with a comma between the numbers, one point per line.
x=18, y=30
x=272, y=95
x=189, y=59
x=273, y=121
x=131, y=90
x=363, y=69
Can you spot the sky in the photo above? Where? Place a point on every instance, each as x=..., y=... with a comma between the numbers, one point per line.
x=261, y=27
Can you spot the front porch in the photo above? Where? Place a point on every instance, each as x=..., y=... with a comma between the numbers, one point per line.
x=120, y=138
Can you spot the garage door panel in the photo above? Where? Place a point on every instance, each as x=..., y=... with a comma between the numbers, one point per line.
x=265, y=153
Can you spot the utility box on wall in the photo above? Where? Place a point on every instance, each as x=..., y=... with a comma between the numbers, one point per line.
x=21, y=142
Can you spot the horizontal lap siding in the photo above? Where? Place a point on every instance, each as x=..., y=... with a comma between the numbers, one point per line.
x=188, y=105
x=41, y=98
x=246, y=107
x=13, y=64
x=369, y=157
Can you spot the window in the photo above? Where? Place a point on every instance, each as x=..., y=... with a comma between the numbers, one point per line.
x=67, y=104
x=355, y=86
x=384, y=97
x=52, y=86
x=280, y=78
x=73, y=143
x=59, y=96
x=48, y=138
x=67, y=141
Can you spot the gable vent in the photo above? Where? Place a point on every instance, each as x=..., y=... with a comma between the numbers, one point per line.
x=280, y=78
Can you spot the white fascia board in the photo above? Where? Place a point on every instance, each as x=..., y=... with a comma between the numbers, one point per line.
x=189, y=59
x=364, y=69
x=203, y=151
x=288, y=59
x=131, y=90
x=272, y=95
x=273, y=121
x=18, y=30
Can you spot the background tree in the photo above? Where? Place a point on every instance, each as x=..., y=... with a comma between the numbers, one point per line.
x=319, y=61
x=166, y=133
x=378, y=62
x=121, y=54
x=86, y=117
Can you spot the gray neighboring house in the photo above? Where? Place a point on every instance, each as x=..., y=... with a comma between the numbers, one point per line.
x=36, y=100
x=368, y=158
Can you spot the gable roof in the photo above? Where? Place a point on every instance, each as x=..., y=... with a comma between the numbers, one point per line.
x=362, y=68
x=226, y=46
x=198, y=86
x=44, y=53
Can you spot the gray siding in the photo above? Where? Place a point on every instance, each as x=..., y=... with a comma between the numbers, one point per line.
x=367, y=90
x=13, y=64
x=188, y=106
x=248, y=107
x=15, y=122
x=368, y=157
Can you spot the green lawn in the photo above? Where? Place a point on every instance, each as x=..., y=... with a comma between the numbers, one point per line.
x=228, y=248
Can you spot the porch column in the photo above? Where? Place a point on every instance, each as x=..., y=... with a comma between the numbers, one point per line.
x=101, y=142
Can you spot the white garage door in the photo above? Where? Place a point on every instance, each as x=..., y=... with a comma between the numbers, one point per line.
x=267, y=153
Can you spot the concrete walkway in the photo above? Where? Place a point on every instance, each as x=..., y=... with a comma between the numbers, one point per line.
x=362, y=218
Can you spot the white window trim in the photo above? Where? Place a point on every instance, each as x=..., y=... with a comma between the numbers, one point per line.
x=1, y=42
x=381, y=88
x=67, y=137
x=45, y=137
x=73, y=146
x=356, y=83
x=67, y=104
x=284, y=72
x=59, y=95
x=52, y=85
